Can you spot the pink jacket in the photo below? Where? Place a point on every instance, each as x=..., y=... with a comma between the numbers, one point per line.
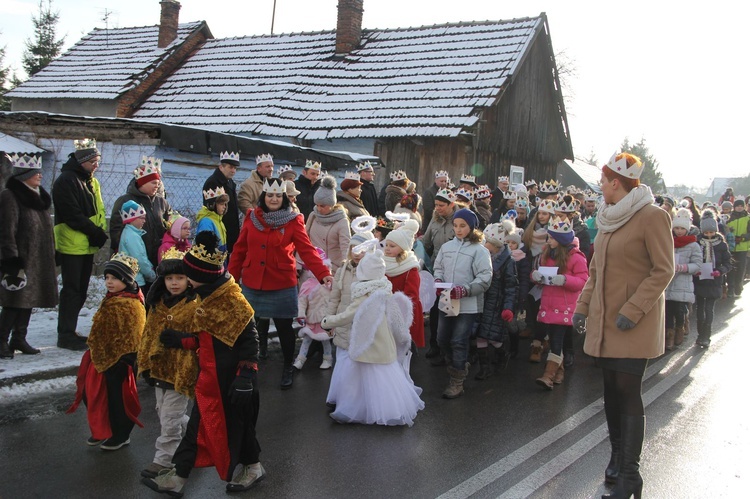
x=559, y=302
x=168, y=241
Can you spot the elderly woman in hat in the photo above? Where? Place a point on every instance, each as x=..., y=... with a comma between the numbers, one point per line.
x=622, y=308
x=350, y=196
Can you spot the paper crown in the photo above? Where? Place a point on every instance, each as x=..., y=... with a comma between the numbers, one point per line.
x=398, y=175
x=263, y=158
x=466, y=193
x=199, y=252
x=446, y=195
x=364, y=166
x=451, y=185
x=503, y=178
x=621, y=167
x=310, y=165
x=467, y=179
x=274, y=187
x=530, y=183
x=548, y=206
x=522, y=203
x=550, y=187
x=441, y=173
x=229, y=157
x=483, y=192
x=510, y=195
x=590, y=196
x=173, y=216
x=214, y=193
x=286, y=168
x=128, y=260
x=84, y=144
x=173, y=254
x=510, y=215
x=131, y=210
x=564, y=207
x=149, y=166
x=351, y=176
x=26, y=161
x=559, y=226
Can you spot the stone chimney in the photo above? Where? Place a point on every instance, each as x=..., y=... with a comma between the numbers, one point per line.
x=170, y=18
x=349, y=26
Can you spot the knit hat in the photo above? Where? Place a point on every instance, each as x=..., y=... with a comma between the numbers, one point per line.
x=175, y=224
x=726, y=205
x=371, y=267
x=683, y=219
x=171, y=263
x=668, y=200
x=561, y=231
x=204, y=262
x=25, y=166
x=291, y=189
x=123, y=267
x=403, y=236
x=708, y=222
x=468, y=216
x=149, y=169
x=131, y=210
x=85, y=150
x=514, y=237
x=496, y=233
x=326, y=193
x=739, y=202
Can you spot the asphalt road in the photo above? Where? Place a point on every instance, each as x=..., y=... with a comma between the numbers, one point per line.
x=505, y=438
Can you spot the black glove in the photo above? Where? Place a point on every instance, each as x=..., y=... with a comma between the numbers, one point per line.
x=171, y=338
x=579, y=323
x=148, y=379
x=241, y=389
x=623, y=323
x=98, y=238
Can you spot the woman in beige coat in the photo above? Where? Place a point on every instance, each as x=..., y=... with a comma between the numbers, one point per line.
x=328, y=225
x=621, y=308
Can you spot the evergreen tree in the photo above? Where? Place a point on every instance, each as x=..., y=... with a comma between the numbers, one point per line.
x=651, y=175
x=44, y=48
x=4, y=73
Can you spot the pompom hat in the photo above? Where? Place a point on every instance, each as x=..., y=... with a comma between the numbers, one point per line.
x=708, y=222
x=403, y=236
x=371, y=267
x=683, y=219
x=204, y=263
x=326, y=193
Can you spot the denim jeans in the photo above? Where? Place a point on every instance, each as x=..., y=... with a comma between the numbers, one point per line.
x=705, y=311
x=556, y=333
x=453, y=338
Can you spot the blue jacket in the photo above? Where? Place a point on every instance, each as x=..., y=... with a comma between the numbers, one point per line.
x=131, y=243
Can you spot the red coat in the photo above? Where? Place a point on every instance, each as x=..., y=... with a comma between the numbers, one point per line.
x=264, y=260
x=409, y=283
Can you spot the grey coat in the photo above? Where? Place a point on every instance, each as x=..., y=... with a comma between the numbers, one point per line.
x=439, y=232
x=465, y=264
x=27, y=242
x=681, y=287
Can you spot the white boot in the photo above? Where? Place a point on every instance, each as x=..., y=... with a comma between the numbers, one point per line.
x=299, y=362
x=327, y=362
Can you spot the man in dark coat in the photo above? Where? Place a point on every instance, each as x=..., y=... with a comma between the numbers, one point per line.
x=307, y=184
x=428, y=199
x=80, y=230
x=143, y=190
x=503, y=186
x=369, y=194
x=222, y=177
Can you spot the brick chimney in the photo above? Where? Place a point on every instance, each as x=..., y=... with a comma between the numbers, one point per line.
x=349, y=26
x=170, y=18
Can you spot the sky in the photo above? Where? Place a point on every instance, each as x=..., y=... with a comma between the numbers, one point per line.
x=674, y=74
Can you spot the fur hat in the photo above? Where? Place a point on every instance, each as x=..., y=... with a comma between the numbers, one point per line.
x=204, y=262
x=326, y=193
x=683, y=219
x=496, y=233
x=130, y=211
x=371, y=267
x=403, y=236
x=708, y=222
x=123, y=267
x=561, y=231
x=468, y=216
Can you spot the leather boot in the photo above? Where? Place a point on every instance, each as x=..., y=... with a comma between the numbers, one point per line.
x=485, y=368
x=547, y=379
x=629, y=481
x=262, y=343
x=679, y=335
x=18, y=342
x=615, y=434
x=5, y=351
x=669, y=339
x=536, y=351
x=287, y=377
x=455, y=387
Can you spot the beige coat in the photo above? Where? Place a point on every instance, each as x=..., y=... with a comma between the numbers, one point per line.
x=341, y=297
x=250, y=190
x=353, y=206
x=332, y=238
x=629, y=272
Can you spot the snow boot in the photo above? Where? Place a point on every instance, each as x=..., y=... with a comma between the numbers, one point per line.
x=485, y=368
x=629, y=481
x=455, y=387
x=559, y=375
x=18, y=342
x=536, y=352
x=669, y=340
x=547, y=379
x=679, y=335
x=299, y=362
x=327, y=362
x=287, y=377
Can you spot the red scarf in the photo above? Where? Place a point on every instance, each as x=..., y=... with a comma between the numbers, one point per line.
x=681, y=241
x=127, y=294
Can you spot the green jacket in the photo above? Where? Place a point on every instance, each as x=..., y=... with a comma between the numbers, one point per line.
x=738, y=223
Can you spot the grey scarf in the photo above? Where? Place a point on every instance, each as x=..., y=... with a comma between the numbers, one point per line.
x=274, y=219
x=331, y=218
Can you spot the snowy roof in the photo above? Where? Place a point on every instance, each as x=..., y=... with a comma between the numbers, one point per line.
x=10, y=145
x=103, y=64
x=427, y=81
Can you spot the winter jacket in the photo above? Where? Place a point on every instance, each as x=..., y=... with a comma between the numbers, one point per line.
x=250, y=191
x=629, y=272
x=439, y=232
x=558, y=303
x=27, y=243
x=409, y=282
x=212, y=222
x=353, y=206
x=581, y=231
x=305, y=198
x=428, y=201
x=500, y=296
x=333, y=238
x=369, y=198
x=131, y=243
x=393, y=195
x=466, y=264
x=80, y=216
x=686, y=252
x=157, y=213
x=523, y=271
x=484, y=210
x=231, y=217
x=739, y=223
x=168, y=241
x=340, y=298
x=713, y=250
x=312, y=301
x=264, y=259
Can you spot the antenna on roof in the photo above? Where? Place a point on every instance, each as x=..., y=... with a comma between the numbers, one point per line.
x=105, y=18
x=273, y=16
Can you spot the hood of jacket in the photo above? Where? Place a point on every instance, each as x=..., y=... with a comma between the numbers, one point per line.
x=72, y=165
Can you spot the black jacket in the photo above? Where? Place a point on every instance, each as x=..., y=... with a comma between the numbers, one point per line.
x=428, y=205
x=500, y=296
x=711, y=288
x=305, y=201
x=231, y=218
x=369, y=198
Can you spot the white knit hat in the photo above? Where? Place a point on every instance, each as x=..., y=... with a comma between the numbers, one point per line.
x=404, y=235
x=683, y=219
x=371, y=267
x=496, y=233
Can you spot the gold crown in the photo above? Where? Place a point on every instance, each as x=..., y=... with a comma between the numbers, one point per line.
x=84, y=144
x=310, y=165
x=213, y=194
x=126, y=260
x=173, y=216
x=274, y=187
x=199, y=252
x=550, y=187
x=173, y=254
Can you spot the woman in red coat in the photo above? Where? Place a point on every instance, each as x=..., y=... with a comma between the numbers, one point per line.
x=263, y=262
x=402, y=269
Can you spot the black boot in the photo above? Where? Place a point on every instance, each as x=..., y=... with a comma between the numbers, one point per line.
x=629, y=481
x=513, y=338
x=485, y=368
x=704, y=335
x=613, y=425
x=287, y=377
x=72, y=342
x=18, y=342
x=434, y=351
x=5, y=351
x=501, y=358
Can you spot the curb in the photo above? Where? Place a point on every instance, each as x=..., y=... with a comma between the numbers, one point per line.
x=39, y=376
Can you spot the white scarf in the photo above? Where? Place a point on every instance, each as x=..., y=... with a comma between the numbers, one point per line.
x=394, y=268
x=611, y=217
x=362, y=288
